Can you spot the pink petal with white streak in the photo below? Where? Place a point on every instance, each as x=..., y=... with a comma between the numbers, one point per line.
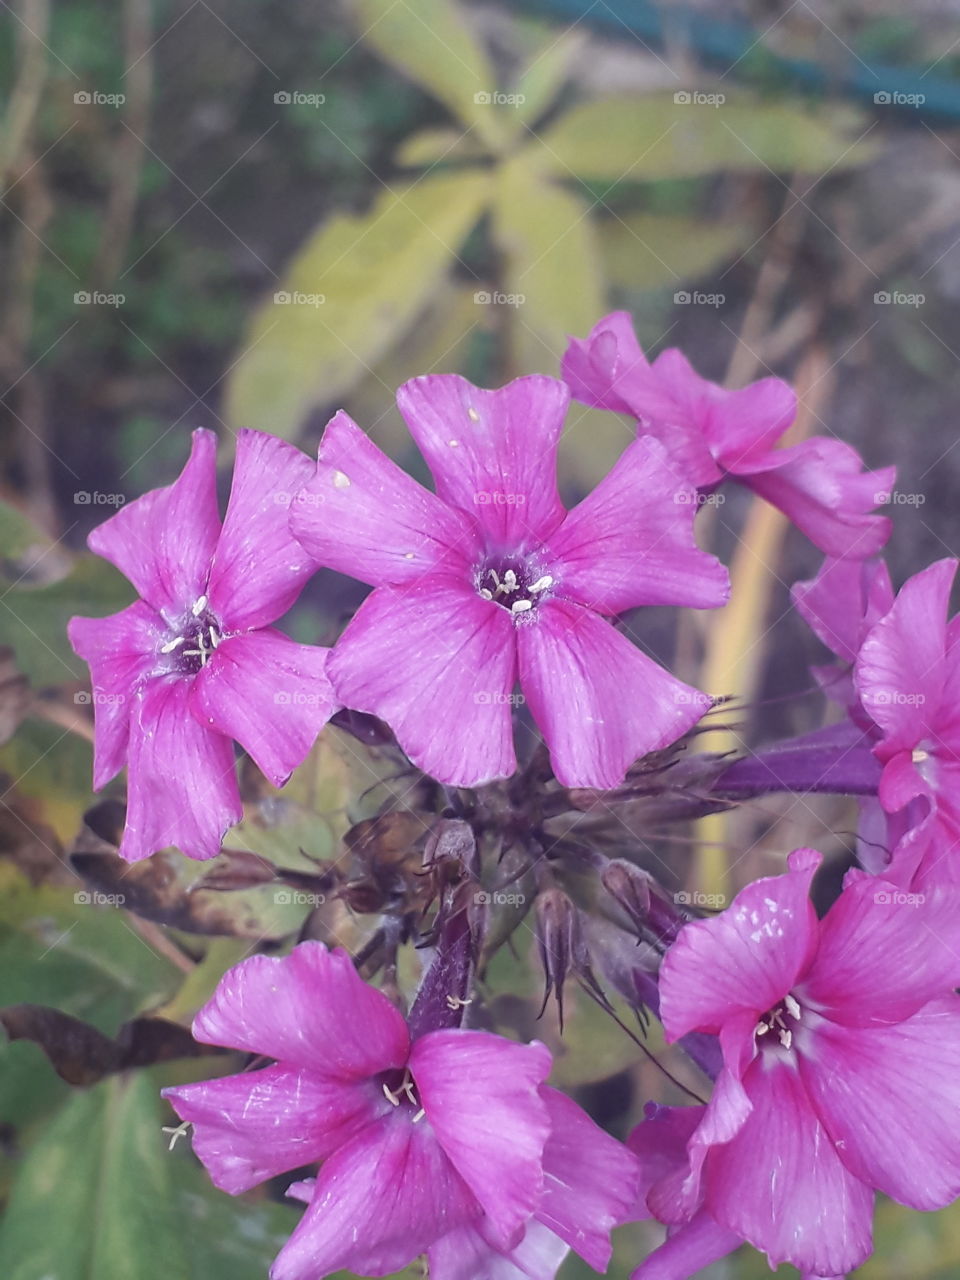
x=309, y=1009
x=164, y=541
x=493, y=454
x=599, y=701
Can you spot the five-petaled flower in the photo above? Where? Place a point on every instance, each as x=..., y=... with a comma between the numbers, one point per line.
x=713, y=434
x=449, y=1145
x=194, y=663
x=490, y=580
x=841, y=1049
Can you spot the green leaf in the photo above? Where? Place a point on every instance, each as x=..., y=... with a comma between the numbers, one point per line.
x=125, y=1205
x=648, y=250
x=50, y=770
x=59, y=947
x=552, y=271
x=18, y=533
x=33, y=620
x=374, y=273
x=640, y=139
x=430, y=41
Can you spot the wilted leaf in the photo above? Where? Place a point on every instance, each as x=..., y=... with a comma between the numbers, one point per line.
x=647, y=250
x=552, y=277
x=168, y=887
x=430, y=41
x=82, y=1055
x=639, y=139
x=374, y=274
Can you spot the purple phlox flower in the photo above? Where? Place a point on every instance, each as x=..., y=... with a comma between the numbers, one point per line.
x=490, y=580
x=194, y=663
x=907, y=677
x=713, y=434
x=449, y=1144
x=841, y=1047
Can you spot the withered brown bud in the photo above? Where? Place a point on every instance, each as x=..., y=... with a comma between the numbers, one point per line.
x=629, y=886
x=560, y=940
x=452, y=839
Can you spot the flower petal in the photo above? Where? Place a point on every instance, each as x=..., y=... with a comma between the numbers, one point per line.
x=599, y=701
x=121, y=652
x=630, y=542
x=182, y=778
x=250, y=1127
x=493, y=454
x=309, y=1009
x=438, y=664
x=821, y=486
x=377, y=1203
x=591, y=1181
x=660, y=1144
x=164, y=541
x=273, y=696
x=603, y=369
x=843, y=601
x=744, y=960
x=688, y=1249
x=887, y=1097
x=362, y=515
x=779, y=1183
x=883, y=953
x=901, y=669
x=465, y=1255
x=745, y=423
x=259, y=568
x=481, y=1095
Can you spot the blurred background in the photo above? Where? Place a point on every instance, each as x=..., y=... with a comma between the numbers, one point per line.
x=250, y=214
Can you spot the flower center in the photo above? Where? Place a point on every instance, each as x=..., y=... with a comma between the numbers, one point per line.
x=192, y=647
x=512, y=585
x=398, y=1089
x=781, y=1022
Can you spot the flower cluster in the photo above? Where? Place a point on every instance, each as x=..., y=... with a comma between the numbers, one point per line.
x=832, y=1044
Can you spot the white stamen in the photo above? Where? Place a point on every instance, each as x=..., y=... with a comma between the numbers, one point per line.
x=473, y=415
x=454, y=1002
x=419, y=1116
x=786, y=1038
x=487, y=595
x=173, y=644
x=521, y=606
x=392, y=1098
x=510, y=581
x=199, y=607
x=341, y=481
x=918, y=756
x=541, y=584
x=762, y=1028
x=793, y=1006
x=179, y=1132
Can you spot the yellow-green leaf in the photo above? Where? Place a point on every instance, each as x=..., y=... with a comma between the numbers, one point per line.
x=552, y=277
x=350, y=293
x=625, y=139
x=437, y=146
x=545, y=73
x=649, y=250
x=430, y=41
